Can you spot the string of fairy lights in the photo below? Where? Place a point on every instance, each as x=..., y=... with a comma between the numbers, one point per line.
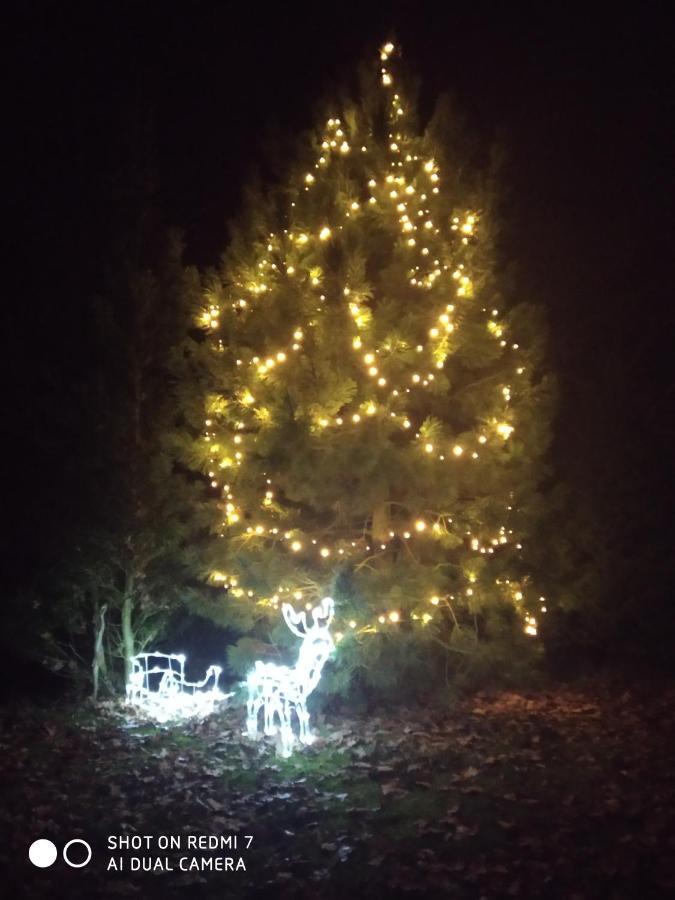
x=405, y=192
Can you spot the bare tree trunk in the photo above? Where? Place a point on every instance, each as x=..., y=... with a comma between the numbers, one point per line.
x=128, y=636
x=98, y=664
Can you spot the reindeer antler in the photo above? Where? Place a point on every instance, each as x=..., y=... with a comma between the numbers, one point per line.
x=325, y=610
x=293, y=619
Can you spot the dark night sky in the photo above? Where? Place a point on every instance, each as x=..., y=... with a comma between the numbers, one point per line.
x=583, y=101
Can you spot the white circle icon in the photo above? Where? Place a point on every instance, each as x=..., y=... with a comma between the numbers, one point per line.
x=76, y=865
x=42, y=853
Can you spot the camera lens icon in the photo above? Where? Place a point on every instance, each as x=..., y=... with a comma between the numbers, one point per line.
x=42, y=853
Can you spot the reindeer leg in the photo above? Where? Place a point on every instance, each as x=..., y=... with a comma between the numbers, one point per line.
x=287, y=739
x=256, y=713
x=301, y=727
x=271, y=701
x=251, y=717
x=255, y=701
x=306, y=735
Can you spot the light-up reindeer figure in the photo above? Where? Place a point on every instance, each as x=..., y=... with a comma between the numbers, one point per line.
x=280, y=690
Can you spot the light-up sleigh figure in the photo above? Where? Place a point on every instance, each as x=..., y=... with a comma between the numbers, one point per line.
x=281, y=690
x=157, y=685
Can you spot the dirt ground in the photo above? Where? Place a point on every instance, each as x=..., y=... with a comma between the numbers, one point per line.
x=565, y=793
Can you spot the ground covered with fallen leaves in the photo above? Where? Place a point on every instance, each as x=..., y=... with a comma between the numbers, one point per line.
x=560, y=793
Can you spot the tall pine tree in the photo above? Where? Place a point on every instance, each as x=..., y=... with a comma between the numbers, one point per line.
x=376, y=415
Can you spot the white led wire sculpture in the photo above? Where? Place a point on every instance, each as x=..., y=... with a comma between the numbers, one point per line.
x=157, y=685
x=281, y=690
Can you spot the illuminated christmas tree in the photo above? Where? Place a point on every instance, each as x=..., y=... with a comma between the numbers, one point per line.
x=377, y=413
